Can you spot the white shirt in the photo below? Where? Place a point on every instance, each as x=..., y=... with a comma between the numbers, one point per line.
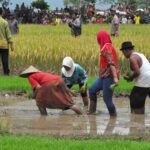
x=143, y=80
x=124, y=20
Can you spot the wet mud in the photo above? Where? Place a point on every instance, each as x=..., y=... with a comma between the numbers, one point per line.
x=21, y=116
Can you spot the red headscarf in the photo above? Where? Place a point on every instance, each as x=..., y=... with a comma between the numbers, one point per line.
x=103, y=38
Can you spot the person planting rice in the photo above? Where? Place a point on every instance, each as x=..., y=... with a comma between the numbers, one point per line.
x=50, y=91
x=109, y=74
x=72, y=74
x=141, y=73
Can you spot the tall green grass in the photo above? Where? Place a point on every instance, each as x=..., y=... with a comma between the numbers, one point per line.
x=43, y=143
x=14, y=83
x=18, y=84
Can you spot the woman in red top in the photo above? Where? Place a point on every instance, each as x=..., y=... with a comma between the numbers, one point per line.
x=109, y=74
x=51, y=91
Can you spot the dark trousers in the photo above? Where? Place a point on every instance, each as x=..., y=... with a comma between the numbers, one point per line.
x=4, y=53
x=138, y=96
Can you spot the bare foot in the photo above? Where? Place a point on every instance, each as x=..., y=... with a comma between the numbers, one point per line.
x=76, y=109
x=43, y=110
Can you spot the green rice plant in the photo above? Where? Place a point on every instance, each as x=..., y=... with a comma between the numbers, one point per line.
x=45, y=46
x=21, y=85
x=43, y=143
x=14, y=83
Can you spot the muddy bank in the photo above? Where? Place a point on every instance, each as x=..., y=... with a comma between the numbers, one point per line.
x=23, y=117
x=11, y=98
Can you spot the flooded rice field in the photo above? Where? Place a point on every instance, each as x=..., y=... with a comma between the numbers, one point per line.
x=18, y=115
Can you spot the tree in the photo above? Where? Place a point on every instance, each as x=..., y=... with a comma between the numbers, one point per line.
x=40, y=4
x=66, y=2
x=132, y=4
x=144, y=3
x=91, y=1
x=77, y=3
x=4, y=3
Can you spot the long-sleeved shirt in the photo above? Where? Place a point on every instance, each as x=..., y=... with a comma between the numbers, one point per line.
x=5, y=35
x=41, y=78
x=108, y=57
x=79, y=76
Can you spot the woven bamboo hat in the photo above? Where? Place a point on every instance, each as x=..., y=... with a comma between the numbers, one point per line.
x=29, y=71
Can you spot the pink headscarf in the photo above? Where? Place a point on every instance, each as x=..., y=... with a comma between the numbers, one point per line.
x=103, y=38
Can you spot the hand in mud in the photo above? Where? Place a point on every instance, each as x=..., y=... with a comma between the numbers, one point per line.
x=83, y=88
x=73, y=93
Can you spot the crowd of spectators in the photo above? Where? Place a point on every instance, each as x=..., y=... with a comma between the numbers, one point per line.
x=88, y=14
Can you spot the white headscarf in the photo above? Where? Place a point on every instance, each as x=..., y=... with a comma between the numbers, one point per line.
x=68, y=61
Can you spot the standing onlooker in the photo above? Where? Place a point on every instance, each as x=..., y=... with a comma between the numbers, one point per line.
x=130, y=21
x=124, y=20
x=13, y=25
x=5, y=41
x=137, y=19
x=114, y=23
x=72, y=74
x=75, y=25
x=141, y=73
x=109, y=74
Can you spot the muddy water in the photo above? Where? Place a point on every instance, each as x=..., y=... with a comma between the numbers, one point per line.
x=24, y=118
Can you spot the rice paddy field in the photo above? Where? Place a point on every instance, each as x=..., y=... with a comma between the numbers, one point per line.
x=45, y=46
x=35, y=143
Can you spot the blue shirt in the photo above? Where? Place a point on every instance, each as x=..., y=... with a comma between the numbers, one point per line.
x=79, y=76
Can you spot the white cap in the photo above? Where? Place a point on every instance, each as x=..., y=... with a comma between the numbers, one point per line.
x=68, y=61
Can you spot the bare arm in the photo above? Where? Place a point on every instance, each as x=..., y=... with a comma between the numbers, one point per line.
x=135, y=63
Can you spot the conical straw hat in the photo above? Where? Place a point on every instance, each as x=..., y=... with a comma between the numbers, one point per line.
x=28, y=71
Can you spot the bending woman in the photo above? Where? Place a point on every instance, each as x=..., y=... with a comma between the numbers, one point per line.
x=50, y=91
